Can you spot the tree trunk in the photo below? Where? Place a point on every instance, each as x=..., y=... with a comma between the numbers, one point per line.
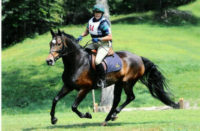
x=107, y=93
x=105, y=3
x=106, y=99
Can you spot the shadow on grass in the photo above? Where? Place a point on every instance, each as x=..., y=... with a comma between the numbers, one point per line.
x=23, y=86
x=168, y=18
x=95, y=124
x=30, y=87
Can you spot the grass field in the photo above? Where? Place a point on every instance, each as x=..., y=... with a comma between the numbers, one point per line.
x=174, y=49
x=167, y=120
x=29, y=85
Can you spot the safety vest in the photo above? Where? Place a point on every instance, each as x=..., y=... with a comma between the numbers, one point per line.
x=94, y=27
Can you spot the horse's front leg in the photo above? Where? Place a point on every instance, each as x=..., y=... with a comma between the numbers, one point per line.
x=64, y=91
x=81, y=95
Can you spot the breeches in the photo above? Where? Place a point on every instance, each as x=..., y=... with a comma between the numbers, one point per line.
x=102, y=50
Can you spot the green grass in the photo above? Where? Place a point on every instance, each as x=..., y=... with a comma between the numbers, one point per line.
x=166, y=120
x=29, y=85
x=192, y=7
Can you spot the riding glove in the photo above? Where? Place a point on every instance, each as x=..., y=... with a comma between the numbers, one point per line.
x=79, y=38
x=95, y=40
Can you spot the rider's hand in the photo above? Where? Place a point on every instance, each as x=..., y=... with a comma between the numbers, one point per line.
x=79, y=38
x=95, y=40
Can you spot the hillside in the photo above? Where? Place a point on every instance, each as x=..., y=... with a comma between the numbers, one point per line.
x=29, y=84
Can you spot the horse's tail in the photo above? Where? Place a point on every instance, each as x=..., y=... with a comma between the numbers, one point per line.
x=156, y=83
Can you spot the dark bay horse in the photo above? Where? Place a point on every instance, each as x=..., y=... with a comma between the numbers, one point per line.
x=79, y=75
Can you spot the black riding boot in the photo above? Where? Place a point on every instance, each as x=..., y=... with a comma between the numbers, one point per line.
x=100, y=76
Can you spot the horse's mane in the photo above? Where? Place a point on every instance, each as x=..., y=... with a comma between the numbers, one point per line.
x=72, y=39
x=68, y=36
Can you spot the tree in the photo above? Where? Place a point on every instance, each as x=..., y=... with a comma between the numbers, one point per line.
x=24, y=18
x=77, y=11
x=106, y=93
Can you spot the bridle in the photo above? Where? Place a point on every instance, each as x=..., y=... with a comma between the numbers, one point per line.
x=62, y=52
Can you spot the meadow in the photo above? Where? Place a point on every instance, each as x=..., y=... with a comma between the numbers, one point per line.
x=168, y=120
x=29, y=85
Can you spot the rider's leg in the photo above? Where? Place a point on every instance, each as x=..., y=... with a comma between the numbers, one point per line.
x=100, y=75
x=102, y=51
x=101, y=54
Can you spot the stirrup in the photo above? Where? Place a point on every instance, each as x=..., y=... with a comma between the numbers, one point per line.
x=101, y=83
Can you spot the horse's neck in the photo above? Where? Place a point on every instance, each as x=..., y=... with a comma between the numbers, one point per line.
x=74, y=60
x=76, y=57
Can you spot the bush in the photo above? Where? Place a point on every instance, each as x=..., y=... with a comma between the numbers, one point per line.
x=128, y=6
x=176, y=17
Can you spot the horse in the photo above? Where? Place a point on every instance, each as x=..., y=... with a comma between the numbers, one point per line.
x=79, y=75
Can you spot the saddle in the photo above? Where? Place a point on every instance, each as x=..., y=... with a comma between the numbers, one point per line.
x=111, y=62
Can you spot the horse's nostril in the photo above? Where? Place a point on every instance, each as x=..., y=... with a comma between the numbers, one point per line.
x=49, y=62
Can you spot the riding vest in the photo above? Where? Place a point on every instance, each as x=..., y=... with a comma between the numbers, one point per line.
x=99, y=28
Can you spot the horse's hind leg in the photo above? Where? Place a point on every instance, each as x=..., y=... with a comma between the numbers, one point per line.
x=128, y=88
x=64, y=91
x=117, y=97
x=81, y=95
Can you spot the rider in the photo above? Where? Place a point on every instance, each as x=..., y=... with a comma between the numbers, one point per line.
x=99, y=29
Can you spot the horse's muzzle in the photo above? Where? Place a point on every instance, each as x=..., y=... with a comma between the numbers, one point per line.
x=52, y=58
x=50, y=62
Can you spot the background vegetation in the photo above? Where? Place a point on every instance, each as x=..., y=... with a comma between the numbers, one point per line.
x=171, y=42
x=25, y=18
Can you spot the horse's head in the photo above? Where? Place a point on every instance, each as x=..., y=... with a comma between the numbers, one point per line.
x=58, y=47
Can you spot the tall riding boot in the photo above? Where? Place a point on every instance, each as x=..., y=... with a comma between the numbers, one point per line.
x=100, y=76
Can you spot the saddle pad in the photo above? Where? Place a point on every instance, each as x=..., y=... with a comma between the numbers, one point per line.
x=113, y=63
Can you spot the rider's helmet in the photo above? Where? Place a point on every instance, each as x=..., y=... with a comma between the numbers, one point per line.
x=98, y=8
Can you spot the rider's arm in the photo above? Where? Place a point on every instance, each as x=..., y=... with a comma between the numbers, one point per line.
x=107, y=30
x=106, y=38
x=85, y=33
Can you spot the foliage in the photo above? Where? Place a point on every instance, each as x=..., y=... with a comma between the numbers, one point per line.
x=25, y=17
x=77, y=11
x=128, y=6
x=176, y=17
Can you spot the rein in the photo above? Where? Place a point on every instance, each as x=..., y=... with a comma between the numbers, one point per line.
x=89, y=42
x=61, y=53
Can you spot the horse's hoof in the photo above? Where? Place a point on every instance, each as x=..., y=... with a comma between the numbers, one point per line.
x=104, y=123
x=113, y=118
x=54, y=120
x=88, y=115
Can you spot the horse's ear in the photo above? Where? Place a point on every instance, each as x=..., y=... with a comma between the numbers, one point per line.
x=52, y=33
x=59, y=32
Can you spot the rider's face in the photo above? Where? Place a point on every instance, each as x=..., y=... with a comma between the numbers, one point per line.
x=98, y=15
